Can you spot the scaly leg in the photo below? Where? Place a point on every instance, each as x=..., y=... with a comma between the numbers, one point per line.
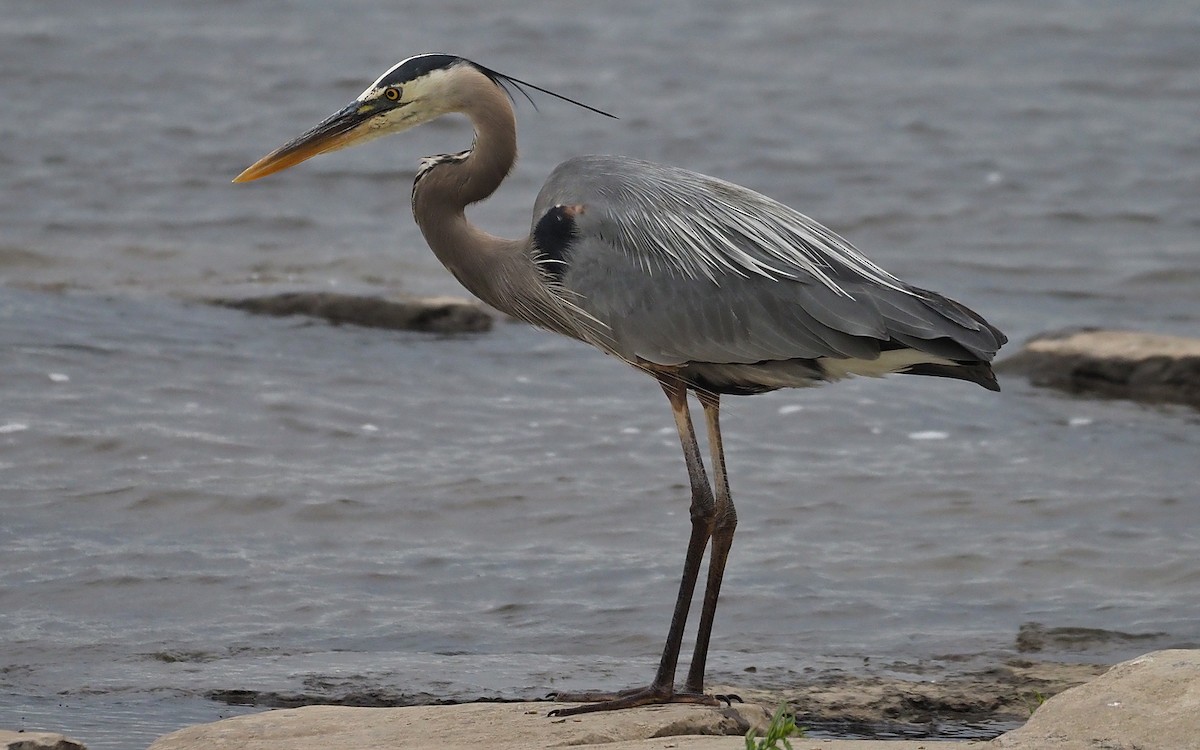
x=722, y=539
x=703, y=515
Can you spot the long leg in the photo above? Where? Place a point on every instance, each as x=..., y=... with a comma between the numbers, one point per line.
x=703, y=515
x=725, y=523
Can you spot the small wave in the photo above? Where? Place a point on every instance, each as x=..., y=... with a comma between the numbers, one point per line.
x=1082, y=217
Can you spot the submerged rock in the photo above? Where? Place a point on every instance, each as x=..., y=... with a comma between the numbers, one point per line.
x=10, y=740
x=431, y=314
x=1121, y=364
x=1034, y=637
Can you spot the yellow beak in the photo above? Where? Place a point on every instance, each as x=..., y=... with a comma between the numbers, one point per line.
x=338, y=131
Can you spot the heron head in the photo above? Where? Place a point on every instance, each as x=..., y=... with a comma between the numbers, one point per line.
x=411, y=92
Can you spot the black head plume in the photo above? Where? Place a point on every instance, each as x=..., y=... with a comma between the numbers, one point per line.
x=419, y=66
x=508, y=83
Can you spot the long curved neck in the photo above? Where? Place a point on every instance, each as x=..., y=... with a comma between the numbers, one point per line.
x=444, y=189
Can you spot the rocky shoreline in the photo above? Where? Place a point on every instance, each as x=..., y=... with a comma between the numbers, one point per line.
x=1152, y=703
x=841, y=711
x=971, y=704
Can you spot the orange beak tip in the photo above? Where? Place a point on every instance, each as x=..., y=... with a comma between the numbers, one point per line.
x=247, y=175
x=258, y=170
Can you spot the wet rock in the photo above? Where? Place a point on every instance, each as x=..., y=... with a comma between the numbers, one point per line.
x=37, y=741
x=1152, y=703
x=1034, y=636
x=359, y=698
x=431, y=314
x=1120, y=364
x=973, y=705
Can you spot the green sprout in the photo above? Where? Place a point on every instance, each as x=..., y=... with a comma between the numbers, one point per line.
x=1035, y=702
x=783, y=725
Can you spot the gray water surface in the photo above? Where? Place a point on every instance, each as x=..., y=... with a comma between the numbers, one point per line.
x=196, y=500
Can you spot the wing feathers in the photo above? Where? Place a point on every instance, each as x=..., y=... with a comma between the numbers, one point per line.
x=684, y=268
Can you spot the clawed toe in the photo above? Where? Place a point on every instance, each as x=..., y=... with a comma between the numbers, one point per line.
x=593, y=696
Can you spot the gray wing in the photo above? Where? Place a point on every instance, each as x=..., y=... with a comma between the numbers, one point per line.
x=685, y=268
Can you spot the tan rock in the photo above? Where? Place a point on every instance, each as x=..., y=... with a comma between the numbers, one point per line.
x=1128, y=345
x=1122, y=364
x=495, y=726
x=1148, y=703
x=37, y=741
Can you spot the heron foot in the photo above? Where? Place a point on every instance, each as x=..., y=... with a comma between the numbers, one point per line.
x=594, y=696
x=647, y=696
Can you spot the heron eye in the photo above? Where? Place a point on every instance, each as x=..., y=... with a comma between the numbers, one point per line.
x=392, y=93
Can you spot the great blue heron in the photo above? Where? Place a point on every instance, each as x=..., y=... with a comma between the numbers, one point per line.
x=707, y=286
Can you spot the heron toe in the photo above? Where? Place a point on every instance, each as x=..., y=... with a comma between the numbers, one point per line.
x=648, y=696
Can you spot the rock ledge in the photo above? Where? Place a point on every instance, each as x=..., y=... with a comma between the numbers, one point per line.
x=1148, y=703
x=432, y=314
x=10, y=740
x=1120, y=364
x=504, y=726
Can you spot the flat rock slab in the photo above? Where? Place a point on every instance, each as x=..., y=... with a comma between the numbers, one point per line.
x=431, y=314
x=10, y=740
x=1121, y=364
x=496, y=726
x=1148, y=703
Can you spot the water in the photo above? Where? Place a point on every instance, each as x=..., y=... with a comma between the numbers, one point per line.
x=195, y=500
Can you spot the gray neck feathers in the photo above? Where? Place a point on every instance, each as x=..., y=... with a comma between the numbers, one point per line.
x=448, y=184
x=498, y=271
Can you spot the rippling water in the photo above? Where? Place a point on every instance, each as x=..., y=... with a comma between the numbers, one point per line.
x=196, y=500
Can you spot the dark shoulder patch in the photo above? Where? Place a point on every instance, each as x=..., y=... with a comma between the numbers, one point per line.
x=553, y=237
x=415, y=67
